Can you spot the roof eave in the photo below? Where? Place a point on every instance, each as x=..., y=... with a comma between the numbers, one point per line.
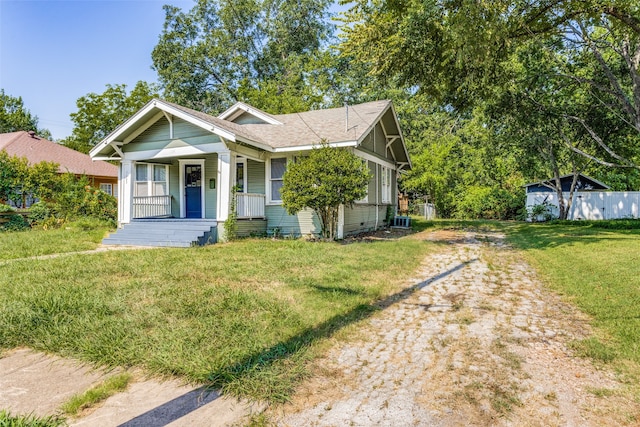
x=338, y=144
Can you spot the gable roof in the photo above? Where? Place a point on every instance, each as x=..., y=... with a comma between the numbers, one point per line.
x=37, y=149
x=586, y=180
x=276, y=133
x=240, y=107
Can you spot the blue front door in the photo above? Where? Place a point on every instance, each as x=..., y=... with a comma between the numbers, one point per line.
x=193, y=190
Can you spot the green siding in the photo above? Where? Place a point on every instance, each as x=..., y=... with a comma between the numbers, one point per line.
x=174, y=188
x=367, y=142
x=360, y=218
x=255, y=177
x=210, y=195
x=303, y=223
x=380, y=140
x=247, y=119
x=248, y=228
x=371, y=191
x=156, y=137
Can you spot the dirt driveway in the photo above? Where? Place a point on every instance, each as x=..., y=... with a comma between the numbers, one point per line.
x=477, y=341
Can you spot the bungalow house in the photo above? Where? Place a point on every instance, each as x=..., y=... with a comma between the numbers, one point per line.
x=178, y=167
x=35, y=149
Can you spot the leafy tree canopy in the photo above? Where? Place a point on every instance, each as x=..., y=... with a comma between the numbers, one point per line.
x=15, y=117
x=269, y=53
x=99, y=114
x=553, y=85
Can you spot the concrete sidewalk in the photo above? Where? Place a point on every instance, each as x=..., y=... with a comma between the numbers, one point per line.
x=35, y=383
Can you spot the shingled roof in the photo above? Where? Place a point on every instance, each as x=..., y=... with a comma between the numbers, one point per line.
x=37, y=149
x=343, y=126
x=312, y=127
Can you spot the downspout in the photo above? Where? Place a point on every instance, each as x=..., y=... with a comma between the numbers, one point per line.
x=377, y=192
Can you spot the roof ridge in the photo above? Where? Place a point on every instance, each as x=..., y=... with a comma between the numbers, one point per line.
x=385, y=101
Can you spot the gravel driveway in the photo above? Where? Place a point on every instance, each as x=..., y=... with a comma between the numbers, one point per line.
x=476, y=341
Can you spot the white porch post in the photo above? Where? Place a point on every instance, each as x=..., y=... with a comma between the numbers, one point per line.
x=125, y=196
x=224, y=185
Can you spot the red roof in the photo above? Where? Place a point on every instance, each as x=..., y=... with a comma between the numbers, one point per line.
x=37, y=149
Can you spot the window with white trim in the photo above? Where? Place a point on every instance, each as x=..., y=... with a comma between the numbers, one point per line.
x=365, y=199
x=107, y=188
x=151, y=180
x=386, y=184
x=278, y=167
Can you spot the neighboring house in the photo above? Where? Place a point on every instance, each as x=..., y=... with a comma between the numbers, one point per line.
x=101, y=174
x=584, y=183
x=179, y=163
x=591, y=199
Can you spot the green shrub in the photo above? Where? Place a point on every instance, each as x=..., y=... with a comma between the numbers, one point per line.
x=78, y=199
x=540, y=212
x=231, y=223
x=6, y=208
x=481, y=202
x=39, y=213
x=16, y=223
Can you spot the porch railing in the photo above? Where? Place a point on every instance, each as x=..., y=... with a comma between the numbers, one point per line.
x=250, y=205
x=151, y=206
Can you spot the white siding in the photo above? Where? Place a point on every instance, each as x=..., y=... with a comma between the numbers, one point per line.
x=594, y=205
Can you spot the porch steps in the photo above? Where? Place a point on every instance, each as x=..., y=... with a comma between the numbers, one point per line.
x=164, y=232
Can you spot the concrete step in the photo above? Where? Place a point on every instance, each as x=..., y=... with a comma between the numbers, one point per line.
x=146, y=242
x=170, y=233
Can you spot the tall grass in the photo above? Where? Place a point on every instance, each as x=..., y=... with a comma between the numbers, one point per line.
x=597, y=266
x=243, y=316
x=72, y=237
x=9, y=420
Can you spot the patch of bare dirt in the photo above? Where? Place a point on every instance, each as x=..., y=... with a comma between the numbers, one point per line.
x=476, y=341
x=382, y=234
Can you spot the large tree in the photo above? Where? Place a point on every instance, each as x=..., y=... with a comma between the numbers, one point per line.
x=269, y=53
x=15, y=117
x=463, y=54
x=100, y=114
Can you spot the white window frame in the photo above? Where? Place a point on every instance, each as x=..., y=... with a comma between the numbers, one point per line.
x=242, y=161
x=269, y=180
x=150, y=181
x=107, y=188
x=386, y=184
x=365, y=199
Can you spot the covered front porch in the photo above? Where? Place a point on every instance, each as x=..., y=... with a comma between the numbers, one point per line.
x=248, y=206
x=192, y=188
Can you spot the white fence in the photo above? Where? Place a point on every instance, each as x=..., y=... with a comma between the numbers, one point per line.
x=427, y=210
x=250, y=205
x=593, y=204
x=151, y=206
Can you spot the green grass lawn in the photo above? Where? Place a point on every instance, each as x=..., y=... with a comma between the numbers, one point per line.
x=247, y=316
x=73, y=237
x=597, y=267
x=244, y=316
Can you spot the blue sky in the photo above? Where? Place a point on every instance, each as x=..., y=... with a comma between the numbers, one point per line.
x=52, y=52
